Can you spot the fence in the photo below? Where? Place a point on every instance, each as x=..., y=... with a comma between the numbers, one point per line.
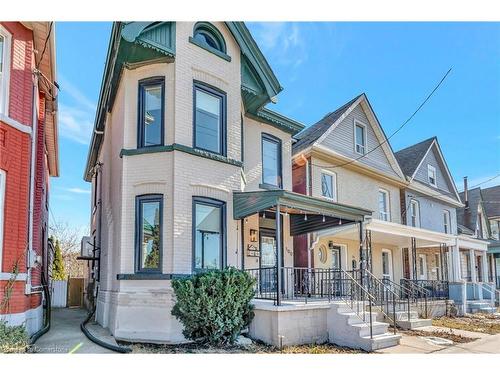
x=59, y=295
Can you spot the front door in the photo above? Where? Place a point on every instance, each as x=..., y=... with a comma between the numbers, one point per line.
x=386, y=264
x=336, y=257
x=422, y=267
x=479, y=268
x=268, y=259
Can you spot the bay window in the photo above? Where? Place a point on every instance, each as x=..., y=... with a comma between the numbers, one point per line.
x=209, y=119
x=148, y=227
x=208, y=233
x=151, y=112
x=271, y=161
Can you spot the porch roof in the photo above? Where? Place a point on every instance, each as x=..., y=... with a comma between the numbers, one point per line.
x=396, y=234
x=322, y=213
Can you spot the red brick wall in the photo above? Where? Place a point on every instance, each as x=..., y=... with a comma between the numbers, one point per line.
x=21, y=82
x=15, y=159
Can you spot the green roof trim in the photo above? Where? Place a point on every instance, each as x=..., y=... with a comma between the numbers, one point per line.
x=278, y=120
x=250, y=203
x=181, y=148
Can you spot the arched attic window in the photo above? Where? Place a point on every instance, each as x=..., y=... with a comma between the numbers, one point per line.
x=207, y=34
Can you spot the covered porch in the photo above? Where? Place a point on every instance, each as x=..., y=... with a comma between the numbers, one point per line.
x=400, y=255
x=270, y=220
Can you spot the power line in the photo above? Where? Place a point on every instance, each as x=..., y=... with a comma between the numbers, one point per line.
x=395, y=132
x=45, y=45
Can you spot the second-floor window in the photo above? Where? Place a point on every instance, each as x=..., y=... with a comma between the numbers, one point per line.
x=446, y=221
x=383, y=205
x=4, y=68
x=328, y=185
x=414, y=213
x=271, y=161
x=359, y=138
x=431, y=175
x=151, y=112
x=209, y=119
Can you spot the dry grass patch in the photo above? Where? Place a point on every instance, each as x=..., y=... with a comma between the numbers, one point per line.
x=483, y=323
x=255, y=348
x=449, y=335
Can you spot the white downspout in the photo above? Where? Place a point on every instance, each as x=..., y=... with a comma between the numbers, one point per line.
x=34, y=132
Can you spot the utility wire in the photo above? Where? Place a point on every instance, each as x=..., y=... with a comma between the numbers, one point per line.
x=395, y=132
x=45, y=45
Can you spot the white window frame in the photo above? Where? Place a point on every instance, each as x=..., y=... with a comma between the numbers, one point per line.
x=365, y=147
x=5, y=75
x=3, y=183
x=389, y=257
x=387, y=213
x=447, y=221
x=431, y=170
x=334, y=184
x=414, y=202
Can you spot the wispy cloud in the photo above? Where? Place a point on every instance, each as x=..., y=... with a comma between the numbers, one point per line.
x=75, y=119
x=75, y=124
x=63, y=197
x=281, y=41
x=78, y=190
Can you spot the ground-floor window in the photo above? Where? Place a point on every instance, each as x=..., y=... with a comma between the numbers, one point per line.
x=386, y=264
x=208, y=233
x=149, y=212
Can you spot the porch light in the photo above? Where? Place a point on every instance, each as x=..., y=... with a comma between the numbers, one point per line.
x=305, y=217
x=323, y=218
x=340, y=221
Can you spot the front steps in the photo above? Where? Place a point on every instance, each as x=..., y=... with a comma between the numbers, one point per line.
x=480, y=306
x=345, y=328
x=402, y=321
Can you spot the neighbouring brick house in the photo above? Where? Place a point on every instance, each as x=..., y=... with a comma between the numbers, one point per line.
x=28, y=158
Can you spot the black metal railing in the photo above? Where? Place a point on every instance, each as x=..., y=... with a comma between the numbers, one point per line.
x=435, y=289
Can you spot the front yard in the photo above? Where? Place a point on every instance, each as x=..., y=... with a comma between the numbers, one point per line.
x=483, y=323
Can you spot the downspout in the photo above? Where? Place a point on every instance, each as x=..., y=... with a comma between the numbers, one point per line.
x=34, y=129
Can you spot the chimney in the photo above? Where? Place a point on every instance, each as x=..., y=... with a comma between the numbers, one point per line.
x=466, y=193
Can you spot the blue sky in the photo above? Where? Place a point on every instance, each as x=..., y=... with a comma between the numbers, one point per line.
x=321, y=66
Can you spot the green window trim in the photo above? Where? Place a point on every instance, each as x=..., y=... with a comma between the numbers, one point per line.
x=181, y=148
x=210, y=49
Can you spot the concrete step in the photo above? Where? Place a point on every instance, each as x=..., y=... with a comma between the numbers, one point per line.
x=346, y=328
x=403, y=315
x=414, y=323
x=377, y=328
x=480, y=307
x=385, y=340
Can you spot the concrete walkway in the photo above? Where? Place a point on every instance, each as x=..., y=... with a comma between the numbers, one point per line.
x=419, y=345
x=65, y=335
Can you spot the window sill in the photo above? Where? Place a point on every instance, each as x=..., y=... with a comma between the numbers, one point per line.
x=150, y=276
x=210, y=49
x=269, y=187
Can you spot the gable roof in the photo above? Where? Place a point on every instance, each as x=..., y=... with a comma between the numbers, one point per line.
x=319, y=131
x=133, y=43
x=312, y=133
x=492, y=201
x=409, y=158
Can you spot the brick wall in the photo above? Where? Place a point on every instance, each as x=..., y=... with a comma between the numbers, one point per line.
x=15, y=158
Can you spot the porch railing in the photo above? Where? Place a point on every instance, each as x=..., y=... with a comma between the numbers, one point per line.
x=435, y=289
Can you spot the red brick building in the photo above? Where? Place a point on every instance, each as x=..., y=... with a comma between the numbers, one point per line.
x=28, y=158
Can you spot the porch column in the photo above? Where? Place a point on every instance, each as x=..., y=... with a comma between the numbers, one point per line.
x=414, y=257
x=278, y=250
x=454, y=264
x=472, y=259
x=484, y=261
x=362, y=259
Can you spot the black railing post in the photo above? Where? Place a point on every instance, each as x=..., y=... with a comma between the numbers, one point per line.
x=278, y=255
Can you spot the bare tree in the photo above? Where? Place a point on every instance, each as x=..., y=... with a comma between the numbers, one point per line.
x=69, y=239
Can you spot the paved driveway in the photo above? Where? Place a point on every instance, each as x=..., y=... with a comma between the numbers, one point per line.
x=65, y=335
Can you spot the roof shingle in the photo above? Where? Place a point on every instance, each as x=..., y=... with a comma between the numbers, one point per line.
x=409, y=158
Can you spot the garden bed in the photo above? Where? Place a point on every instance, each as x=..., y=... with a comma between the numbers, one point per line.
x=483, y=323
x=255, y=348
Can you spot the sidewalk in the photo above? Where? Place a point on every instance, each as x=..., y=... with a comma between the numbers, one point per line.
x=65, y=335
